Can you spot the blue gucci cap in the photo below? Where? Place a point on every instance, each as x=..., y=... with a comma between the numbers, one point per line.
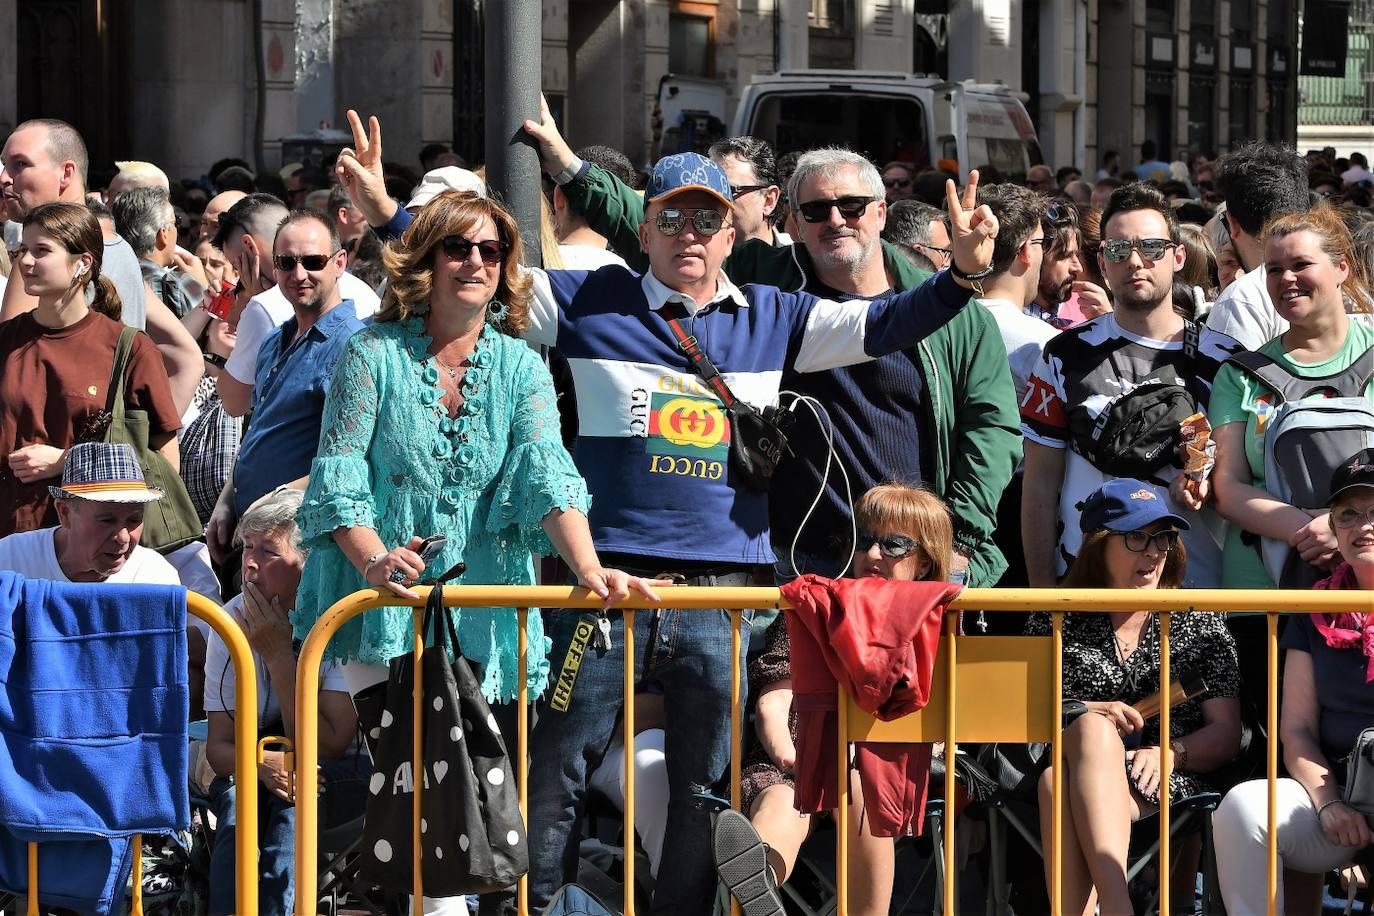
x=688, y=172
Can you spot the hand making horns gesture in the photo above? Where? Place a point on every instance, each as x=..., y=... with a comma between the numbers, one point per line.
x=972, y=229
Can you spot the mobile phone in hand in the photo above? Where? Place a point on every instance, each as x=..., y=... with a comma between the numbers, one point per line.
x=430, y=547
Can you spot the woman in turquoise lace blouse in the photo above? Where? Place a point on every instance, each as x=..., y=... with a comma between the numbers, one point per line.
x=438, y=421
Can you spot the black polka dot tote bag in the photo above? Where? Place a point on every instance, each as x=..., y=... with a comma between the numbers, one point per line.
x=472, y=838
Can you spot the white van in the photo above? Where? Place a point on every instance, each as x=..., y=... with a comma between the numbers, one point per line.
x=891, y=116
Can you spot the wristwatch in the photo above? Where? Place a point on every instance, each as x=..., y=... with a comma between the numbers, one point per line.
x=1180, y=754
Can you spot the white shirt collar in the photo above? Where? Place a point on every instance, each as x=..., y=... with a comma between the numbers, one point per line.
x=658, y=294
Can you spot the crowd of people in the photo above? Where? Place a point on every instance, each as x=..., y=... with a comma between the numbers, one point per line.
x=1019, y=380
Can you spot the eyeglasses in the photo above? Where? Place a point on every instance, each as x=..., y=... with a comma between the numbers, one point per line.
x=460, y=249
x=287, y=262
x=1118, y=250
x=673, y=220
x=893, y=546
x=1042, y=241
x=896, y=182
x=818, y=211
x=1162, y=541
x=947, y=252
x=739, y=190
x=1353, y=518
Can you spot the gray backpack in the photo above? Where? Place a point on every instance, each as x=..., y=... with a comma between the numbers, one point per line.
x=1308, y=436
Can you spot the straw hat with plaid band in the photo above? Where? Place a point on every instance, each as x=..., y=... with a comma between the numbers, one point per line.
x=104, y=472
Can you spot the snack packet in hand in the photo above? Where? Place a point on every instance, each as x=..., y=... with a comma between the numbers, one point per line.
x=1198, y=451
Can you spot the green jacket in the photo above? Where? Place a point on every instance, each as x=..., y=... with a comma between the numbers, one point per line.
x=972, y=421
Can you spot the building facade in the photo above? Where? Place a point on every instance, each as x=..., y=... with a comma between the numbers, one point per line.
x=187, y=82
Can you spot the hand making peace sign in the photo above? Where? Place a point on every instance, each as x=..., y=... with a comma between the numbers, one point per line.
x=972, y=229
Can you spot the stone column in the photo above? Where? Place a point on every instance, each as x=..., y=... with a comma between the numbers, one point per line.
x=396, y=61
x=190, y=96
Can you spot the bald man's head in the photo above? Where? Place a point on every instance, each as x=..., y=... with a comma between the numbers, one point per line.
x=216, y=207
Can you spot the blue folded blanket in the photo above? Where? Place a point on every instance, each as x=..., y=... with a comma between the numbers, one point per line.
x=93, y=743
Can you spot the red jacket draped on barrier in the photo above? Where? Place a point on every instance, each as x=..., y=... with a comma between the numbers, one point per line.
x=878, y=639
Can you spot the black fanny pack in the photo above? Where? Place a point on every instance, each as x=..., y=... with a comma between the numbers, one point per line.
x=758, y=437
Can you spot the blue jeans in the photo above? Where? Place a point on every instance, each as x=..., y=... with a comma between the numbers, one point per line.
x=344, y=780
x=690, y=658
x=807, y=562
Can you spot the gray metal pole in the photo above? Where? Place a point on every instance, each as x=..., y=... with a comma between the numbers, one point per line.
x=513, y=32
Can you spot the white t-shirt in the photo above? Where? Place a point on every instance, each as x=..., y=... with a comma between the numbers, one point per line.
x=1244, y=311
x=192, y=564
x=32, y=554
x=588, y=257
x=270, y=309
x=1023, y=336
x=2, y=286
x=220, y=681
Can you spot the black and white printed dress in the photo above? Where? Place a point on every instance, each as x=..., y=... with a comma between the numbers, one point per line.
x=1198, y=644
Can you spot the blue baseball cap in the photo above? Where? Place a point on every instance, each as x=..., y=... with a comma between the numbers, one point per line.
x=688, y=172
x=1125, y=504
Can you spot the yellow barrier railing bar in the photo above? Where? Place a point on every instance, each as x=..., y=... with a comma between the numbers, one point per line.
x=417, y=760
x=736, y=721
x=951, y=626
x=842, y=813
x=1271, y=754
x=1057, y=799
x=33, y=880
x=245, y=761
x=628, y=615
x=522, y=741
x=1055, y=601
x=1166, y=754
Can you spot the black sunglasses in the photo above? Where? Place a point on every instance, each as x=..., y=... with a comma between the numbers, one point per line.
x=896, y=182
x=673, y=220
x=287, y=262
x=1118, y=250
x=818, y=211
x=460, y=249
x=893, y=546
x=739, y=190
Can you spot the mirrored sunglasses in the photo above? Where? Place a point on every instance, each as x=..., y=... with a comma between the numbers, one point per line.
x=1118, y=250
x=673, y=220
x=893, y=546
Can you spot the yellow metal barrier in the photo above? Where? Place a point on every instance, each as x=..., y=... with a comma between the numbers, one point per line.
x=961, y=719
x=245, y=747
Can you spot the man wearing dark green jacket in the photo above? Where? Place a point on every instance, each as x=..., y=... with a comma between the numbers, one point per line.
x=943, y=413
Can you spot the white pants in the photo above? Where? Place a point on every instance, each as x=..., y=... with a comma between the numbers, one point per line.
x=359, y=676
x=651, y=788
x=1241, y=826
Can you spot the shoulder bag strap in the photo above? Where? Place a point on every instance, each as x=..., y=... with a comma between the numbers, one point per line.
x=114, y=398
x=701, y=363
